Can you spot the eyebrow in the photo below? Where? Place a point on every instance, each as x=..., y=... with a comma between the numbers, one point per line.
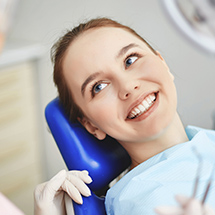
x=121, y=52
x=87, y=81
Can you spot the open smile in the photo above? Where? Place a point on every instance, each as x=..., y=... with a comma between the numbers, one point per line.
x=143, y=107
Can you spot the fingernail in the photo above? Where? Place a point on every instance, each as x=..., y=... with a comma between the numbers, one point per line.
x=85, y=171
x=79, y=200
x=89, y=180
x=87, y=192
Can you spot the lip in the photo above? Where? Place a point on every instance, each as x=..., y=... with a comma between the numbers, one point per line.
x=149, y=111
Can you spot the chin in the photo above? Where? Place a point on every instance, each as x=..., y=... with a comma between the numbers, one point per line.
x=159, y=127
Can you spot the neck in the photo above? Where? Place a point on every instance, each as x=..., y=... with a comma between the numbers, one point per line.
x=172, y=135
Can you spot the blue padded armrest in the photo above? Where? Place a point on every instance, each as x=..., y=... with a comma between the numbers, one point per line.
x=104, y=160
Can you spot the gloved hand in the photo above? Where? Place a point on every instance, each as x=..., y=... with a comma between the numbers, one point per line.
x=188, y=206
x=49, y=196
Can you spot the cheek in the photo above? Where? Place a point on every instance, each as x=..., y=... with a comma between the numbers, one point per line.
x=104, y=104
x=101, y=112
x=157, y=72
x=148, y=70
x=153, y=66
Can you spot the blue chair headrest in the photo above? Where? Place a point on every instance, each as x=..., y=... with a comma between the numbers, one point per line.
x=104, y=160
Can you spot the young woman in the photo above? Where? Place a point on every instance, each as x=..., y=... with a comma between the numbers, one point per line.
x=116, y=84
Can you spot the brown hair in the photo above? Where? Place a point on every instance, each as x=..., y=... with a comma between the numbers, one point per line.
x=58, y=52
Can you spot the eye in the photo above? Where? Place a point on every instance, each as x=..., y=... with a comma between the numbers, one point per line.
x=130, y=60
x=98, y=87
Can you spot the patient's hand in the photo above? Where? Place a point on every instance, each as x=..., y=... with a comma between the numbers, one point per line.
x=187, y=206
x=49, y=197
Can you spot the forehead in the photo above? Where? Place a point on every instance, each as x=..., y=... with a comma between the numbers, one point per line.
x=99, y=43
x=104, y=37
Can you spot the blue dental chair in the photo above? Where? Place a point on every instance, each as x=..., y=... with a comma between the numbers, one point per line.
x=104, y=160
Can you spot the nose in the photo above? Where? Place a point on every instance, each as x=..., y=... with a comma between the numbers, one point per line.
x=127, y=89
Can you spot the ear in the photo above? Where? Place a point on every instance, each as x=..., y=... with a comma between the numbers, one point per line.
x=92, y=129
x=159, y=55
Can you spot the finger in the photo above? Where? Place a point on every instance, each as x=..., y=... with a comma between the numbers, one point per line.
x=54, y=185
x=182, y=200
x=83, y=175
x=72, y=191
x=79, y=184
x=168, y=210
x=39, y=189
x=208, y=210
x=194, y=207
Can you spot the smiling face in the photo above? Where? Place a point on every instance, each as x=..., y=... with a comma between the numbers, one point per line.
x=122, y=87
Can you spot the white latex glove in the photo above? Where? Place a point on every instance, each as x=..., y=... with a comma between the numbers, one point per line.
x=49, y=196
x=188, y=206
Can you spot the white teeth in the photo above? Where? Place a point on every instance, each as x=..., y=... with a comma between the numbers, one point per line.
x=152, y=97
x=137, y=110
x=146, y=104
x=133, y=112
x=149, y=100
x=143, y=107
x=132, y=115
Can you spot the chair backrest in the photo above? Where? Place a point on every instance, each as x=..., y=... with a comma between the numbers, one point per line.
x=104, y=160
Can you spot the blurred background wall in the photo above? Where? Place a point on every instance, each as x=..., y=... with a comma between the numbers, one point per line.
x=43, y=21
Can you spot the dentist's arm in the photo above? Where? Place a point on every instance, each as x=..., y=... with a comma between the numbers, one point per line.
x=49, y=197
